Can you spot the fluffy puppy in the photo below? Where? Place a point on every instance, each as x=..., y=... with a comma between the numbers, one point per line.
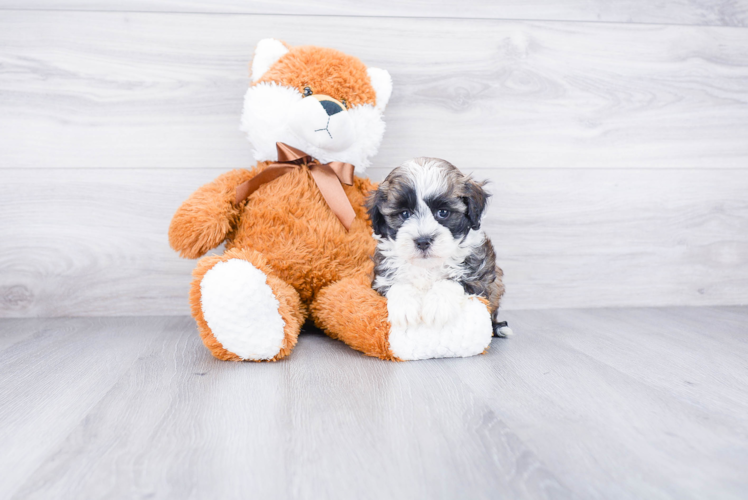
x=431, y=252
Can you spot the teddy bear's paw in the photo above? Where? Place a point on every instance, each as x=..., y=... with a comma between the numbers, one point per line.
x=467, y=333
x=442, y=302
x=241, y=310
x=403, y=305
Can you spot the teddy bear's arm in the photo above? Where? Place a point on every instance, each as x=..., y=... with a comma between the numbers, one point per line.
x=207, y=216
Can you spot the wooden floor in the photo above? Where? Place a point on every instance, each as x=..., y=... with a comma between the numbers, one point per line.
x=604, y=403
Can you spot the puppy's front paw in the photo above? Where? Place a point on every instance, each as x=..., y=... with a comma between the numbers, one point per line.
x=443, y=302
x=403, y=305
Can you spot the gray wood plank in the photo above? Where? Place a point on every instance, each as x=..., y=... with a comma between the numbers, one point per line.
x=132, y=90
x=94, y=242
x=603, y=390
x=573, y=406
x=712, y=377
x=331, y=424
x=720, y=12
x=52, y=374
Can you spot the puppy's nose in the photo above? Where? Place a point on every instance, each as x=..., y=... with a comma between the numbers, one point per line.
x=331, y=107
x=424, y=242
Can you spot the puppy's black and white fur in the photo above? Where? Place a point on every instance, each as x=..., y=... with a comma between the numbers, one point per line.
x=431, y=252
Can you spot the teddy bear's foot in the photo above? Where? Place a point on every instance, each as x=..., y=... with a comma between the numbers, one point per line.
x=351, y=311
x=467, y=333
x=243, y=311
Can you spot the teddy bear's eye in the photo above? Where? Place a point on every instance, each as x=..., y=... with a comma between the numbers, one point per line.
x=345, y=103
x=308, y=91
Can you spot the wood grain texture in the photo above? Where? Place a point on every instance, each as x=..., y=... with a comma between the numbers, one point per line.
x=670, y=384
x=720, y=12
x=613, y=404
x=132, y=90
x=617, y=151
x=93, y=242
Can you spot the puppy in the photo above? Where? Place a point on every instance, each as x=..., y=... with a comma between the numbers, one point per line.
x=431, y=252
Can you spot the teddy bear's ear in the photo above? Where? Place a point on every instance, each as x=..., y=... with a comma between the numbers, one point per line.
x=382, y=83
x=267, y=52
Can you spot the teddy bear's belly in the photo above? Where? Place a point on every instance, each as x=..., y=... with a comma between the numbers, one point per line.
x=306, y=245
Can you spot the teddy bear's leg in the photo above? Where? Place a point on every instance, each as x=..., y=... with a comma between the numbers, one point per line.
x=243, y=310
x=351, y=311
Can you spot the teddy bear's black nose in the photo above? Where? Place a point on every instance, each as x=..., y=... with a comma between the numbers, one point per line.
x=331, y=107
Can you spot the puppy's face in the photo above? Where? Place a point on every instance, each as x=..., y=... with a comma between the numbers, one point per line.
x=425, y=209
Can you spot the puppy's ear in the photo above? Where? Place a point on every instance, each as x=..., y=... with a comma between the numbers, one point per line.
x=378, y=222
x=475, y=198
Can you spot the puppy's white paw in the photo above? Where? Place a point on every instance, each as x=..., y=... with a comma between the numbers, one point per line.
x=442, y=302
x=403, y=305
x=466, y=334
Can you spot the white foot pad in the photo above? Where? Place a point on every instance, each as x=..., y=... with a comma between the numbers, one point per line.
x=467, y=333
x=241, y=310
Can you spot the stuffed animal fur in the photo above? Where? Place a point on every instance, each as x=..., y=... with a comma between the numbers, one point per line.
x=288, y=257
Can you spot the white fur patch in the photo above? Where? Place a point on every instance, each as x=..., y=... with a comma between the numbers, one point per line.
x=428, y=178
x=406, y=305
x=275, y=113
x=267, y=53
x=442, y=302
x=382, y=83
x=267, y=108
x=467, y=333
x=311, y=124
x=241, y=310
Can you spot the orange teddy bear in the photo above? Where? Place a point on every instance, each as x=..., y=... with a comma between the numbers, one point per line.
x=298, y=239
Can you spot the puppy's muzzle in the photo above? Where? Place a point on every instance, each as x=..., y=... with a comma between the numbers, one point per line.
x=423, y=242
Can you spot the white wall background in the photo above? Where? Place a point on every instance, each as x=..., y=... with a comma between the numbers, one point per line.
x=615, y=134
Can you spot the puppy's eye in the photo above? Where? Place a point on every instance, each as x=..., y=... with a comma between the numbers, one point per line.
x=442, y=214
x=345, y=103
x=405, y=215
x=308, y=91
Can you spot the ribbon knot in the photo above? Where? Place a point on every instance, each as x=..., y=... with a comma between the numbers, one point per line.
x=327, y=176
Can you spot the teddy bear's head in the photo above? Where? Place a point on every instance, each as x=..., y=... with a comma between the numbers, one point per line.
x=321, y=101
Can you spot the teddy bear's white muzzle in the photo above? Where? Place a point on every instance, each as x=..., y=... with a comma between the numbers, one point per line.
x=322, y=123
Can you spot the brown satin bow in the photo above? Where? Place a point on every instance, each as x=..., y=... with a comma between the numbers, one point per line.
x=327, y=176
